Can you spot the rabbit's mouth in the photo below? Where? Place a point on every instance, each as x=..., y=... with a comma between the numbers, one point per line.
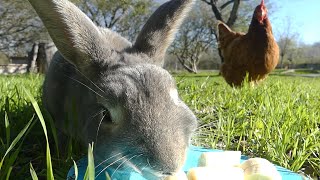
x=153, y=175
x=148, y=173
x=151, y=171
x=126, y=163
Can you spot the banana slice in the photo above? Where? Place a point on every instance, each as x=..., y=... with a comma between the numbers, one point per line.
x=217, y=173
x=178, y=176
x=218, y=159
x=260, y=169
x=258, y=176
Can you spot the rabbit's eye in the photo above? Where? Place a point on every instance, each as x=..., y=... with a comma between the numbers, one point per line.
x=112, y=115
x=105, y=114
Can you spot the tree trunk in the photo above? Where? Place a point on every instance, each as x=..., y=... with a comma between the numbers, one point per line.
x=32, y=56
x=281, y=60
x=40, y=56
x=189, y=69
x=195, y=69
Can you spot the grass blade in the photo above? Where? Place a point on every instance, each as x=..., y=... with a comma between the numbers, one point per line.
x=40, y=116
x=7, y=125
x=15, y=141
x=90, y=172
x=33, y=173
x=54, y=132
x=107, y=175
x=9, y=172
x=12, y=158
x=75, y=170
x=38, y=111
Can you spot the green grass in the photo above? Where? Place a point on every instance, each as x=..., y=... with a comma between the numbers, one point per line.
x=306, y=71
x=296, y=71
x=278, y=120
x=24, y=140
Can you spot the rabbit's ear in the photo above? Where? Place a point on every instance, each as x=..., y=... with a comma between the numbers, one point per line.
x=77, y=38
x=160, y=29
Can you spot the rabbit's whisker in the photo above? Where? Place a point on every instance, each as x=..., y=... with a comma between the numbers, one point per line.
x=86, y=86
x=144, y=167
x=89, y=80
x=110, y=165
x=75, y=68
x=82, y=82
x=96, y=114
x=99, y=127
x=107, y=159
x=126, y=160
x=150, y=164
x=134, y=166
x=119, y=167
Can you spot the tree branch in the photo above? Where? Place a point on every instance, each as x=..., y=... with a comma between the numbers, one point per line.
x=226, y=4
x=214, y=9
x=233, y=13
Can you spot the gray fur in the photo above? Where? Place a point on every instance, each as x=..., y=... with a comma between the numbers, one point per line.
x=97, y=69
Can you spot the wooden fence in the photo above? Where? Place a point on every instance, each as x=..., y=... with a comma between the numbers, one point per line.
x=37, y=61
x=13, y=69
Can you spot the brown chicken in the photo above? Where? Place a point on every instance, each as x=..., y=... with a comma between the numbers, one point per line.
x=255, y=53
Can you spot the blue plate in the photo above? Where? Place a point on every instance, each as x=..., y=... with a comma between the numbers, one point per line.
x=192, y=161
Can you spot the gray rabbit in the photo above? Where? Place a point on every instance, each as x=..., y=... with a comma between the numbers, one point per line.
x=101, y=88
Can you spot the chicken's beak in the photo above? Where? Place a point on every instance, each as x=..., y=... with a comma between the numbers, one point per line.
x=262, y=15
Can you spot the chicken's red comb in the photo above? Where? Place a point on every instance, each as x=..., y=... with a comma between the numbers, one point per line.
x=262, y=3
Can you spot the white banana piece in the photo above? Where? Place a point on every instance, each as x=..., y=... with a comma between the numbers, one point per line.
x=226, y=165
x=259, y=169
x=178, y=176
x=210, y=173
x=218, y=159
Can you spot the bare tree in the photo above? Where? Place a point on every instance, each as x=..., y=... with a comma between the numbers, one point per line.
x=123, y=16
x=193, y=39
x=311, y=53
x=287, y=40
x=18, y=26
x=217, y=11
x=217, y=8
